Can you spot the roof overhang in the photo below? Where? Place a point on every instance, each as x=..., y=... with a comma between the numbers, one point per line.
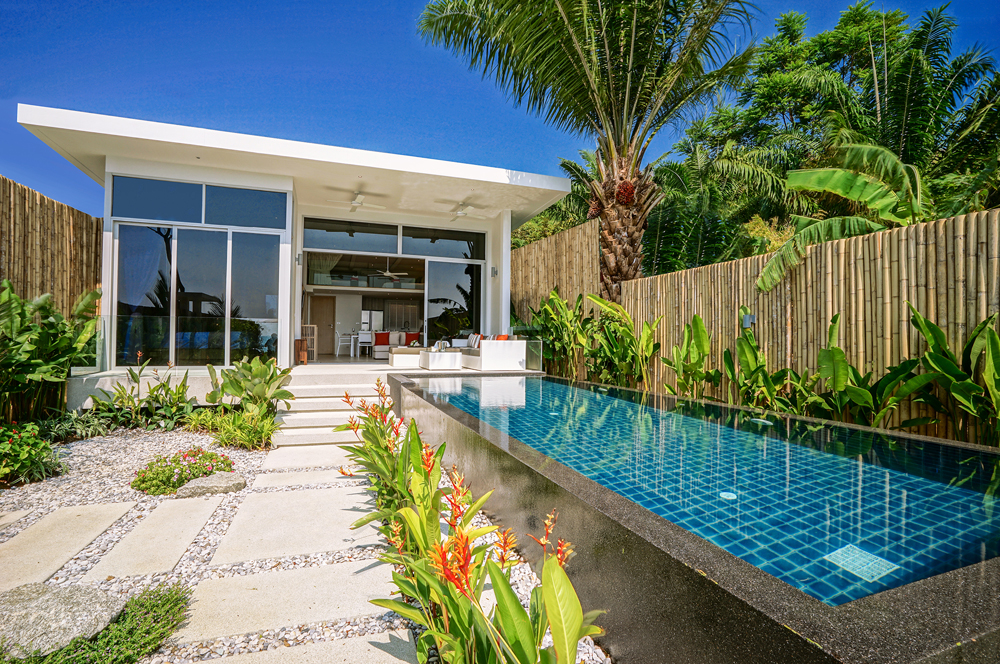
x=321, y=173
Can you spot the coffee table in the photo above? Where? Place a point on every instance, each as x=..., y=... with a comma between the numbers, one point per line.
x=441, y=360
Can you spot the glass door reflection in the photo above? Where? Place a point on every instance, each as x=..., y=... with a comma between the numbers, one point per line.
x=454, y=299
x=145, y=254
x=201, y=298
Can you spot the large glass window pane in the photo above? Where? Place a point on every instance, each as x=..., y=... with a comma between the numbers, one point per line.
x=355, y=271
x=254, y=324
x=454, y=299
x=229, y=206
x=139, y=198
x=444, y=243
x=350, y=236
x=143, y=307
x=201, y=298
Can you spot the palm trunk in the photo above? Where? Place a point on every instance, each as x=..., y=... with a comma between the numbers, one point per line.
x=623, y=199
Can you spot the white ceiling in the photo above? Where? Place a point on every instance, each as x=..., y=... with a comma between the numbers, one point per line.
x=404, y=185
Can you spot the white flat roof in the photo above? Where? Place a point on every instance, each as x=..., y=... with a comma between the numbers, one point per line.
x=403, y=184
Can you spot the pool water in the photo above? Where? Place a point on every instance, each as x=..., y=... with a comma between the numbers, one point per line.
x=834, y=512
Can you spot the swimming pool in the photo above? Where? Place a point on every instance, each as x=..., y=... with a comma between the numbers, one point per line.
x=835, y=512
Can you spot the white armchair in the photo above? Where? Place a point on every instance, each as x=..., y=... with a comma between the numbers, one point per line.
x=495, y=356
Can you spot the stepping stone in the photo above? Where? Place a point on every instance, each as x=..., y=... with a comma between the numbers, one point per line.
x=7, y=518
x=45, y=618
x=159, y=541
x=38, y=551
x=291, y=523
x=266, y=480
x=386, y=648
x=306, y=456
x=241, y=604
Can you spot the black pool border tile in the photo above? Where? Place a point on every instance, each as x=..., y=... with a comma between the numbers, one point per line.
x=675, y=597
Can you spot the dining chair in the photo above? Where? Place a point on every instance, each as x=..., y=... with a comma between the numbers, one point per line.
x=342, y=340
x=364, y=341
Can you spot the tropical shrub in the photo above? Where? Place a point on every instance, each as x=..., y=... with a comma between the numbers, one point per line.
x=631, y=353
x=256, y=385
x=204, y=419
x=565, y=334
x=249, y=430
x=750, y=383
x=164, y=407
x=38, y=346
x=145, y=623
x=24, y=455
x=443, y=577
x=74, y=425
x=688, y=362
x=165, y=475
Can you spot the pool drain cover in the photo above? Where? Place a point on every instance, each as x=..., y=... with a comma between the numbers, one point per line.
x=861, y=563
x=727, y=495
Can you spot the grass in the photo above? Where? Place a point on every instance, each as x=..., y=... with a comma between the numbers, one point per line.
x=145, y=623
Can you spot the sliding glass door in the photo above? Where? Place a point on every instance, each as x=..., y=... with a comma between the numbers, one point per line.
x=454, y=294
x=182, y=292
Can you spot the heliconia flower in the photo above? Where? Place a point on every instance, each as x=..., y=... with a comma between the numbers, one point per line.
x=427, y=458
x=563, y=551
x=346, y=472
x=506, y=541
x=550, y=522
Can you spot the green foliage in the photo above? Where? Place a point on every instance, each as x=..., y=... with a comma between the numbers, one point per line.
x=73, y=425
x=145, y=623
x=165, y=475
x=38, y=345
x=246, y=429
x=24, y=455
x=443, y=578
x=688, y=362
x=564, y=333
x=750, y=382
x=632, y=353
x=256, y=385
x=164, y=406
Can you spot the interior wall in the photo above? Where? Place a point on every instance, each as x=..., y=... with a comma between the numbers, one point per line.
x=348, y=312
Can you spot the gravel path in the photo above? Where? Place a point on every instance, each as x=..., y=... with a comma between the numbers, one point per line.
x=100, y=470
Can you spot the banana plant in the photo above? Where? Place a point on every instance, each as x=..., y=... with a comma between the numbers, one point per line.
x=637, y=350
x=875, y=401
x=748, y=374
x=258, y=386
x=565, y=334
x=688, y=362
x=959, y=395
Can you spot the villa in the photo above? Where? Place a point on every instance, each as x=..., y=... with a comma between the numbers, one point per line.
x=217, y=243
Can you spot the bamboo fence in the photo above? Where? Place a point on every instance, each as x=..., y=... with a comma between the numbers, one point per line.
x=46, y=246
x=948, y=269
x=568, y=261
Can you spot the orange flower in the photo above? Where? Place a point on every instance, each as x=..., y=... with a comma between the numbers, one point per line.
x=456, y=499
x=550, y=523
x=427, y=457
x=347, y=399
x=506, y=541
x=453, y=562
x=346, y=472
x=563, y=551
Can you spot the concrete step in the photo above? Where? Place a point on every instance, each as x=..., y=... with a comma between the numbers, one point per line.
x=313, y=419
x=396, y=647
x=313, y=436
x=306, y=456
x=302, y=378
x=326, y=403
x=334, y=390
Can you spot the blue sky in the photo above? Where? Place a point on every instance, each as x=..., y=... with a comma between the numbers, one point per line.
x=343, y=73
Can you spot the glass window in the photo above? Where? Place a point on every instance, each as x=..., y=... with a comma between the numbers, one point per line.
x=356, y=271
x=254, y=323
x=454, y=297
x=143, y=311
x=350, y=236
x=444, y=243
x=138, y=198
x=200, y=330
x=228, y=206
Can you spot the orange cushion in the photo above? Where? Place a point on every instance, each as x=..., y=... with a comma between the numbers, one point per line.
x=501, y=337
x=411, y=337
x=381, y=338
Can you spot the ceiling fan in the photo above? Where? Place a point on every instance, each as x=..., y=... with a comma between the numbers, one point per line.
x=465, y=211
x=359, y=201
x=387, y=273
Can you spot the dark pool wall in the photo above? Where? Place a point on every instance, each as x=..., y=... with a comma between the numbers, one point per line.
x=675, y=598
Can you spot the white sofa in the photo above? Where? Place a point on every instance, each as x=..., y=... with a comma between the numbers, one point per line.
x=508, y=355
x=396, y=339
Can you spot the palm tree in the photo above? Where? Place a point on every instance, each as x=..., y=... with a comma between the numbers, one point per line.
x=615, y=71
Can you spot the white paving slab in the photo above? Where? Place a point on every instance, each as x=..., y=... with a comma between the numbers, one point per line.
x=306, y=477
x=393, y=647
x=241, y=604
x=291, y=523
x=38, y=551
x=305, y=456
x=159, y=541
x=7, y=518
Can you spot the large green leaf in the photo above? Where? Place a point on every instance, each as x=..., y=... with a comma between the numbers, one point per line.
x=699, y=335
x=514, y=621
x=864, y=189
x=563, y=609
x=834, y=368
x=809, y=232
